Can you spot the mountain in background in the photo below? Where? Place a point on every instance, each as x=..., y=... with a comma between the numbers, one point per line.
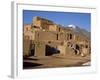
x=79, y=31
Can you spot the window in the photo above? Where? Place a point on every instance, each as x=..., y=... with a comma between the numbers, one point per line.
x=86, y=46
x=70, y=36
x=57, y=36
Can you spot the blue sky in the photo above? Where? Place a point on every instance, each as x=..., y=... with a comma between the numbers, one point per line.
x=82, y=20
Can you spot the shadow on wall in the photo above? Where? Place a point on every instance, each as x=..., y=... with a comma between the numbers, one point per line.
x=51, y=50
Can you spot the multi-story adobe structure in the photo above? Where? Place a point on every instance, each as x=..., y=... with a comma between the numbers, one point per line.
x=45, y=38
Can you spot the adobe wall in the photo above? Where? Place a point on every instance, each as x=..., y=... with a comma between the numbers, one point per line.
x=37, y=23
x=26, y=28
x=53, y=28
x=45, y=35
x=40, y=49
x=26, y=46
x=42, y=23
x=53, y=35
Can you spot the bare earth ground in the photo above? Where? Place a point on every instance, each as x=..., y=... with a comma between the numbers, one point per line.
x=55, y=61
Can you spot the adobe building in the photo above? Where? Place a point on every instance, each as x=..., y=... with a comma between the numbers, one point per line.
x=45, y=38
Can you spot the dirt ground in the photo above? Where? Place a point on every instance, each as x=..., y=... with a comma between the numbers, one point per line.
x=33, y=62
